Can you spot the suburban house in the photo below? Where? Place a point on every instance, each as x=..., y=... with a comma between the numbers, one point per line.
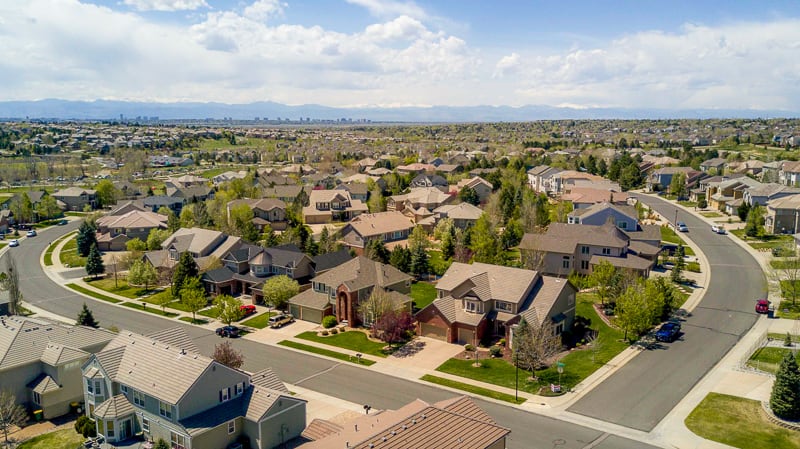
x=266, y=211
x=783, y=215
x=565, y=248
x=717, y=164
x=727, y=195
x=366, y=164
x=540, y=178
x=699, y=192
x=750, y=167
x=228, y=176
x=789, y=173
x=40, y=361
x=624, y=217
x=156, y=202
x=201, y=243
x=114, y=231
x=324, y=262
x=415, y=168
x=480, y=186
x=6, y=220
x=169, y=161
x=160, y=386
x=392, y=228
x=453, y=423
x=583, y=197
x=660, y=179
x=325, y=206
x=246, y=268
x=566, y=180
x=76, y=198
x=420, y=197
x=191, y=194
x=478, y=302
x=358, y=190
x=286, y=193
x=765, y=193
x=463, y=215
x=340, y=290
x=425, y=180
x=186, y=181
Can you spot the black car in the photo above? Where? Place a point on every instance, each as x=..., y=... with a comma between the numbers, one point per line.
x=668, y=332
x=228, y=331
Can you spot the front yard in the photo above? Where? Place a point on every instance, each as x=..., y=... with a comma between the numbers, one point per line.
x=738, y=422
x=260, y=321
x=668, y=235
x=767, y=359
x=578, y=364
x=120, y=287
x=69, y=254
x=765, y=242
x=352, y=340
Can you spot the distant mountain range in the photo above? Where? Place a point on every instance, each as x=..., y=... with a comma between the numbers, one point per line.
x=113, y=110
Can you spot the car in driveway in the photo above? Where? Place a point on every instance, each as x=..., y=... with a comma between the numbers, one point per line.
x=248, y=309
x=762, y=306
x=681, y=227
x=31, y=233
x=228, y=331
x=280, y=320
x=668, y=332
x=13, y=243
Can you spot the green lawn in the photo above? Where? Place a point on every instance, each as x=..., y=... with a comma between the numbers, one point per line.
x=767, y=359
x=711, y=214
x=92, y=293
x=472, y=389
x=765, y=242
x=738, y=422
x=210, y=313
x=189, y=319
x=151, y=309
x=48, y=255
x=60, y=439
x=210, y=173
x=352, y=340
x=326, y=352
x=423, y=293
x=259, y=321
x=437, y=262
x=688, y=203
x=579, y=364
x=694, y=267
x=69, y=254
x=784, y=264
x=781, y=337
x=120, y=287
x=668, y=235
x=156, y=298
x=787, y=310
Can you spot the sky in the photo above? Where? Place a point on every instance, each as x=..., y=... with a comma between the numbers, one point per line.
x=710, y=54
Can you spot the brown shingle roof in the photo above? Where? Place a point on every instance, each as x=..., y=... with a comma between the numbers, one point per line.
x=563, y=238
x=368, y=225
x=488, y=281
x=361, y=272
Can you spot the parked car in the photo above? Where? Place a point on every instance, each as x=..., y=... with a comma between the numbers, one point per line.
x=280, y=320
x=668, y=332
x=14, y=242
x=62, y=222
x=762, y=306
x=228, y=331
x=681, y=227
x=715, y=229
x=31, y=233
x=248, y=309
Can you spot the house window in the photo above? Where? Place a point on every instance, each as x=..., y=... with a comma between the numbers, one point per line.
x=559, y=328
x=606, y=251
x=622, y=225
x=503, y=305
x=584, y=249
x=138, y=398
x=225, y=394
x=565, y=262
x=239, y=388
x=164, y=409
x=37, y=399
x=231, y=426
x=110, y=429
x=177, y=441
x=90, y=386
x=584, y=265
x=124, y=388
x=145, y=425
x=173, y=255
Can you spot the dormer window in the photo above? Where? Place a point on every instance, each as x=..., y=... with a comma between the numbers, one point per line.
x=473, y=306
x=173, y=254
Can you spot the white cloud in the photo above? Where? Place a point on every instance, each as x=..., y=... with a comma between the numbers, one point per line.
x=264, y=9
x=166, y=5
x=506, y=64
x=390, y=8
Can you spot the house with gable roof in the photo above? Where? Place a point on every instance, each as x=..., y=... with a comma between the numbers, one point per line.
x=266, y=211
x=390, y=227
x=160, y=386
x=325, y=206
x=114, y=231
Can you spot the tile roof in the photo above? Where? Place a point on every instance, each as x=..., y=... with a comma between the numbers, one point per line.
x=368, y=225
x=547, y=292
x=311, y=299
x=43, y=384
x=320, y=428
x=488, y=281
x=650, y=232
x=361, y=272
x=564, y=238
x=55, y=354
x=133, y=219
x=175, y=336
x=268, y=379
x=324, y=262
x=630, y=261
x=23, y=340
x=115, y=407
x=461, y=211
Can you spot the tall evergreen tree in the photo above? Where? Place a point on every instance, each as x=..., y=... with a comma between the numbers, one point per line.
x=186, y=268
x=86, y=318
x=86, y=238
x=400, y=258
x=419, y=261
x=94, y=262
x=785, y=398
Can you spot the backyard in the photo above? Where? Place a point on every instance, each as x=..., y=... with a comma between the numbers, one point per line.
x=767, y=359
x=60, y=439
x=423, y=293
x=738, y=422
x=578, y=364
x=352, y=340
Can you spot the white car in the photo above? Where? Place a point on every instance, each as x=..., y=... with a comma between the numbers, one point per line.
x=31, y=233
x=715, y=229
x=13, y=243
x=681, y=226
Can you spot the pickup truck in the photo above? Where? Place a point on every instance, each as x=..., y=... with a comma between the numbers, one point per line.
x=280, y=320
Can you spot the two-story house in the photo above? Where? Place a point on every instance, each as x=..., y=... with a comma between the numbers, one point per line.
x=76, y=198
x=358, y=190
x=717, y=164
x=480, y=186
x=761, y=195
x=464, y=215
x=539, y=178
x=325, y=206
x=425, y=180
x=40, y=361
x=246, y=268
x=428, y=198
x=201, y=243
x=623, y=216
x=789, y=173
x=391, y=227
x=161, y=387
x=480, y=301
x=660, y=179
x=583, y=197
x=728, y=194
x=266, y=211
x=783, y=215
x=114, y=231
x=565, y=248
x=340, y=290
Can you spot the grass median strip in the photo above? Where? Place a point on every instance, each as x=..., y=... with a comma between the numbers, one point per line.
x=138, y=306
x=48, y=255
x=93, y=293
x=189, y=319
x=352, y=340
x=472, y=389
x=325, y=352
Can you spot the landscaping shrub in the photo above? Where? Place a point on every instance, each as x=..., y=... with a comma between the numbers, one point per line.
x=496, y=351
x=788, y=340
x=501, y=342
x=334, y=331
x=324, y=333
x=469, y=348
x=329, y=321
x=80, y=422
x=89, y=430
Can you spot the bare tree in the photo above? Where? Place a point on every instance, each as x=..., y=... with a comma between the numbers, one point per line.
x=227, y=355
x=534, y=344
x=787, y=274
x=11, y=413
x=375, y=306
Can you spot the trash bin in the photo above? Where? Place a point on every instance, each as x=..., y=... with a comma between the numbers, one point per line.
x=38, y=415
x=770, y=313
x=73, y=407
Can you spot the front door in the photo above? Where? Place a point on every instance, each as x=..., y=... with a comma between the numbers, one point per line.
x=125, y=430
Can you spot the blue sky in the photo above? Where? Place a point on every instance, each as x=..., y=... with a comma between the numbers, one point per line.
x=633, y=54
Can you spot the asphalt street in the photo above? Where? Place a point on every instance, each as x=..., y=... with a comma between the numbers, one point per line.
x=359, y=385
x=643, y=392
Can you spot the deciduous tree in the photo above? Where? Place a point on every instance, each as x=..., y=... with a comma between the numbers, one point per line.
x=534, y=344
x=142, y=273
x=12, y=414
x=193, y=296
x=10, y=282
x=393, y=325
x=279, y=289
x=227, y=355
x=227, y=309
x=602, y=279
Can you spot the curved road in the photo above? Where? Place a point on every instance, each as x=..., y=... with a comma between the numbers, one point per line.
x=343, y=381
x=644, y=391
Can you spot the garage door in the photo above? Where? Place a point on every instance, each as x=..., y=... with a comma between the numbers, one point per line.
x=465, y=336
x=429, y=330
x=312, y=315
